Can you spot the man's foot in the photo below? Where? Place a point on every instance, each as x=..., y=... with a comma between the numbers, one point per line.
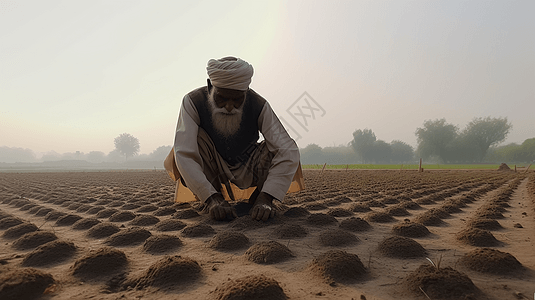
x=219, y=209
x=263, y=207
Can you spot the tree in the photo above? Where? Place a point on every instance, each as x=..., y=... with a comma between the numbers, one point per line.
x=160, y=153
x=435, y=137
x=312, y=154
x=363, y=142
x=127, y=144
x=486, y=132
x=382, y=152
x=401, y=151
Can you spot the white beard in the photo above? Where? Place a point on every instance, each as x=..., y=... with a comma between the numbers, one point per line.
x=225, y=123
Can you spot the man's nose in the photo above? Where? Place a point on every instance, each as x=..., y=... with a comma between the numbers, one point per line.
x=229, y=107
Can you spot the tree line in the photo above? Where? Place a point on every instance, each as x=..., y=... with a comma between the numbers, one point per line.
x=438, y=142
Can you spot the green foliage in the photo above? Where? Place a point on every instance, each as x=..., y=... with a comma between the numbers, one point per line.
x=435, y=137
x=485, y=132
x=127, y=145
x=363, y=144
x=401, y=151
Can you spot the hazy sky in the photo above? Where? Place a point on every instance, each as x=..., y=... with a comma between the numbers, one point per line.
x=76, y=74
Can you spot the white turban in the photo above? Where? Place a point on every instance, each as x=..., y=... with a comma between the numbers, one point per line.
x=230, y=73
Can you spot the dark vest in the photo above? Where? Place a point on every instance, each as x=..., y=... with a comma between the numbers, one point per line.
x=238, y=147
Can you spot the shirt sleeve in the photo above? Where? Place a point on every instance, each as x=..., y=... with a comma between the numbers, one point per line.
x=187, y=157
x=286, y=153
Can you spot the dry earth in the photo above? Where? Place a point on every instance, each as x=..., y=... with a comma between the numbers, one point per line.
x=363, y=234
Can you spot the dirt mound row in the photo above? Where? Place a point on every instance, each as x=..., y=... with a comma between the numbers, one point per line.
x=257, y=287
x=67, y=220
x=24, y=283
x=49, y=253
x=443, y=283
x=321, y=219
x=268, y=253
x=128, y=237
x=83, y=224
x=186, y=214
x=9, y=222
x=19, y=230
x=158, y=244
x=198, y=230
x=229, y=241
x=477, y=237
x=338, y=266
x=122, y=216
x=337, y=238
x=34, y=239
x=170, y=272
x=103, y=230
x=289, y=231
x=491, y=261
x=401, y=247
x=170, y=225
x=412, y=230
x=378, y=217
x=144, y=220
x=100, y=263
x=339, y=212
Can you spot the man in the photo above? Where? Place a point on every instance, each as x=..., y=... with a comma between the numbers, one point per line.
x=216, y=152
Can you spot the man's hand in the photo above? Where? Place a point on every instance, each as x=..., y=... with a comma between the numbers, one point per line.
x=219, y=208
x=262, y=209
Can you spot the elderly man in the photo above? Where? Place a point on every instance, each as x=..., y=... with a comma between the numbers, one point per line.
x=216, y=151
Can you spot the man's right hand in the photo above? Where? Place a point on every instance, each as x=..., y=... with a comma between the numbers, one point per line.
x=219, y=208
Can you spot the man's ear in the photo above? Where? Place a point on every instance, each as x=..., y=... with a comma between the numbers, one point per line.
x=209, y=83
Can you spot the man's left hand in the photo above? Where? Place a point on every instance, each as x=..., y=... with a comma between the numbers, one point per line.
x=262, y=208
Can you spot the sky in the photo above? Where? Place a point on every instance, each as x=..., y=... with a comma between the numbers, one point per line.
x=76, y=74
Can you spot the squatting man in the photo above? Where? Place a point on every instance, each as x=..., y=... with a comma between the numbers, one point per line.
x=216, y=155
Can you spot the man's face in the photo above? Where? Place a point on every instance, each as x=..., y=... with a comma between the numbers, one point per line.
x=228, y=99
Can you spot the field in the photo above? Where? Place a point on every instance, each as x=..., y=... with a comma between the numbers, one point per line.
x=411, y=167
x=352, y=234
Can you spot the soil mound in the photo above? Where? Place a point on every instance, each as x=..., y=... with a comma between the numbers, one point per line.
x=338, y=266
x=296, y=212
x=504, y=167
x=229, y=241
x=74, y=206
x=410, y=205
x=94, y=210
x=443, y=283
x=128, y=237
x=34, y=239
x=477, y=237
x=43, y=211
x=186, y=214
x=147, y=208
x=35, y=209
x=27, y=206
x=247, y=223
x=289, y=231
x=337, y=238
x=486, y=224
x=116, y=203
x=83, y=208
x=9, y=222
x=49, y=253
x=54, y=215
x=378, y=217
x=321, y=219
x=19, y=230
x=158, y=244
x=170, y=225
x=428, y=220
x=102, y=262
x=198, y=230
x=412, y=230
x=144, y=220
x=401, y=247
x=103, y=230
x=130, y=206
x=315, y=206
x=169, y=272
x=339, y=212
x=359, y=207
x=106, y=213
x=355, y=224
x=122, y=216
x=268, y=253
x=250, y=287
x=491, y=261
x=396, y=211
x=67, y=220
x=164, y=211
x=83, y=224
x=24, y=283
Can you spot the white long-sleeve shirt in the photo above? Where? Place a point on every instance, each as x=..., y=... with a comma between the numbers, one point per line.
x=283, y=165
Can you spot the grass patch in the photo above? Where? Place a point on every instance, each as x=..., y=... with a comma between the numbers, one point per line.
x=405, y=167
